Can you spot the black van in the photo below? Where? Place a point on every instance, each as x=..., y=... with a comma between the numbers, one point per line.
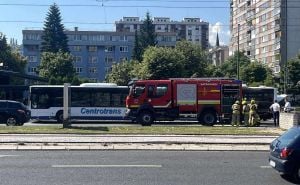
x=13, y=113
x=285, y=153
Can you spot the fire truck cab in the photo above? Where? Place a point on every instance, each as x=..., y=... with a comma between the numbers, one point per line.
x=208, y=100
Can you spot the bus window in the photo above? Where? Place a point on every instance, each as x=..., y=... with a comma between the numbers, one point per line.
x=102, y=99
x=80, y=99
x=116, y=100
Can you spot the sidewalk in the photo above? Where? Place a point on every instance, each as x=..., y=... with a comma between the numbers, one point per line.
x=135, y=142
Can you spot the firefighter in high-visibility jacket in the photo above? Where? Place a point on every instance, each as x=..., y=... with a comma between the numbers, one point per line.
x=245, y=112
x=235, y=114
x=253, y=116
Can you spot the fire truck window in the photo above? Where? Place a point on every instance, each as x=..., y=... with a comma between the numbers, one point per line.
x=138, y=90
x=151, y=91
x=161, y=90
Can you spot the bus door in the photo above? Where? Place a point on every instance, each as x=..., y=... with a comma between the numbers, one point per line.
x=230, y=94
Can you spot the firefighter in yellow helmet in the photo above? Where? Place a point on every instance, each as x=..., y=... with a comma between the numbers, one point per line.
x=245, y=112
x=253, y=116
x=235, y=114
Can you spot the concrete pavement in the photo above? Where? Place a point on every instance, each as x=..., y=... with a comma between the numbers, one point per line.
x=134, y=142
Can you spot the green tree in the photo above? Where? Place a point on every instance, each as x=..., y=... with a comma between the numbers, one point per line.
x=137, y=50
x=162, y=63
x=54, y=39
x=146, y=37
x=195, y=59
x=229, y=67
x=254, y=74
x=214, y=71
x=57, y=67
x=11, y=61
x=270, y=78
x=293, y=78
x=121, y=73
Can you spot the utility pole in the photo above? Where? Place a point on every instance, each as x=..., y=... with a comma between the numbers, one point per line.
x=238, y=53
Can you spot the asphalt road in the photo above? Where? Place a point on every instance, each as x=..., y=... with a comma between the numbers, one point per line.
x=136, y=168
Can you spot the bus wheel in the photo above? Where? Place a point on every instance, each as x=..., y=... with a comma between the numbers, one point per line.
x=60, y=116
x=208, y=118
x=145, y=118
x=11, y=121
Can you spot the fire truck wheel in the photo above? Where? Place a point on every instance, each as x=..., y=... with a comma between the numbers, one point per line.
x=145, y=118
x=208, y=118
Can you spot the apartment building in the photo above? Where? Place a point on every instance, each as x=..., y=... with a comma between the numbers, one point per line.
x=267, y=30
x=94, y=51
x=190, y=29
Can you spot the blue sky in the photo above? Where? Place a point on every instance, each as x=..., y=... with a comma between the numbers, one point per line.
x=99, y=15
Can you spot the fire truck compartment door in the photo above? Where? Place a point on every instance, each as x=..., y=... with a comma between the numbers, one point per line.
x=230, y=93
x=187, y=97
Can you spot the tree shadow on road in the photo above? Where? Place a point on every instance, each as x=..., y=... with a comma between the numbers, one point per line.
x=96, y=128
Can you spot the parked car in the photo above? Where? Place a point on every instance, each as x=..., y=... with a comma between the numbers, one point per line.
x=285, y=153
x=13, y=113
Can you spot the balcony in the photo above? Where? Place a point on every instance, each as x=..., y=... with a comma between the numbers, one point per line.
x=277, y=51
x=277, y=40
x=277, y=27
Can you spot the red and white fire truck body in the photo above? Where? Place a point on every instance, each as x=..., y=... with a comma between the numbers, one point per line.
x=208, y=100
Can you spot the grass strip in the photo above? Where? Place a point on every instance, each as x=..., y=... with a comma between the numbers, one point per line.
x=153, y=130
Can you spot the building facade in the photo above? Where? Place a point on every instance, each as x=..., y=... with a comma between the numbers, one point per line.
x=267, y=30
x=191, y=29
x=95, y=52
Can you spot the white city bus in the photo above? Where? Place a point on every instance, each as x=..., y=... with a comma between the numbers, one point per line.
x=89, y=101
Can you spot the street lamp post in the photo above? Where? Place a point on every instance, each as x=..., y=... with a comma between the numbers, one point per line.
x=238, y=53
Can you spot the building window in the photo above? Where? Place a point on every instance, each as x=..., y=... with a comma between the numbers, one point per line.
x=77, y=37
x=92, y=48
x=93, y=59
x=96, y=37
x=122, y=59
x=76, y=48
x=32, y=70
x=123, y=38
x=93, y=79
x=264, y=38
x=189, y=32
x=108, y=61
x=108, y=49
x=113, y=38
x=93, y=70
x=107, y=69
x=33, y=48
x=32, y=58
x=77, y=59
x=123, y=48
x=32, y=37
x=78, y=69
x=264, y=60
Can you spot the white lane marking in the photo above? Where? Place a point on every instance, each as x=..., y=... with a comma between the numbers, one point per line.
x=106, y=166
x=265, y=167
x=8, y=155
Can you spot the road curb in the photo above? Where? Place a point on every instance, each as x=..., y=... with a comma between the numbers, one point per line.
x=136, y=146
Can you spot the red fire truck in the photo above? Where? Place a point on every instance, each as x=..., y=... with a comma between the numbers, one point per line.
x=209, y=100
